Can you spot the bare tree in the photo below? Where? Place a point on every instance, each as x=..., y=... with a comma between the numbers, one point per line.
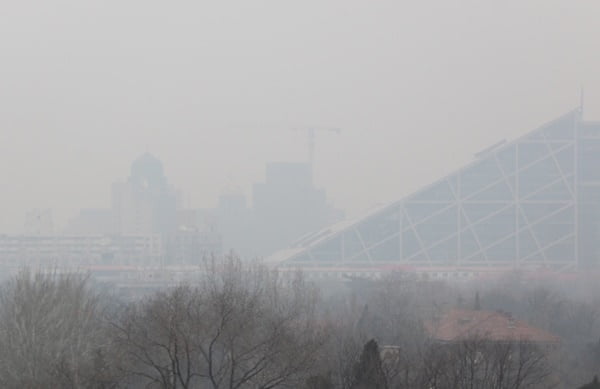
x=241, y=326
x=50, y=332
x=155, y=342
x=476, y=362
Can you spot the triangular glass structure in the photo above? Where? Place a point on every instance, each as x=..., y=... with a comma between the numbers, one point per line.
x=516, y=203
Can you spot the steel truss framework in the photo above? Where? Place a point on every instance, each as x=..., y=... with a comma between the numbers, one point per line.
x=515, y=205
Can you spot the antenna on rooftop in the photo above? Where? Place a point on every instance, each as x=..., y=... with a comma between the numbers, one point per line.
x=581, y=98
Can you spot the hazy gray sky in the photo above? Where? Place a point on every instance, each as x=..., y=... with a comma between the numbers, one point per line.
x=214, y=87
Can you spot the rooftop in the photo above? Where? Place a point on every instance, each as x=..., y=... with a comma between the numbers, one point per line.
x=458, y=324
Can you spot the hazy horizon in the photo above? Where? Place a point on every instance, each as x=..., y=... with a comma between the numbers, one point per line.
x=214, y=90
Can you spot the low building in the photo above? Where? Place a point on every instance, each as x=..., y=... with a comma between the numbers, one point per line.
x=190, y=246
x=79, y=250
x=461, y=324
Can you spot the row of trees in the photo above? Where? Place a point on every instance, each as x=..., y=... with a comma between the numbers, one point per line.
x=469, y=363
x=239, y=326
x=245, y=326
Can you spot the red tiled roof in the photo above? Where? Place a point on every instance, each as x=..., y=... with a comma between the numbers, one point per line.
x=459, y=324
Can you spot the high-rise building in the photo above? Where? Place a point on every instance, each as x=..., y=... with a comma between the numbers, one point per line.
x=235, y=222
x=287, y=206
x=142, y=228
x=144, y=204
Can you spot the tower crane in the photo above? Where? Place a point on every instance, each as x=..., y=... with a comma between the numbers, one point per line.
x=311, y=133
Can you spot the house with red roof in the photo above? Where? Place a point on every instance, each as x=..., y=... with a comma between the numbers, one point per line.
x=496, y=326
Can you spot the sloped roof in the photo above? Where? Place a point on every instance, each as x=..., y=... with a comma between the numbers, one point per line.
x=326, y=234
x=458, y=324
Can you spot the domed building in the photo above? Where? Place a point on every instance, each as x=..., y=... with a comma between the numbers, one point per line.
x=144, y=204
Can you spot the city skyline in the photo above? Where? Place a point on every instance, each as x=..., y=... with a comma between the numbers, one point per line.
x=216, y=90
x=62, y=216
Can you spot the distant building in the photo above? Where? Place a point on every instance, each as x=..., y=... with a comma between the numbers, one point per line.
x=462, y=324
x=191, y=246
x=235, y=222
x=144, y=204
x=531, y=203
x=63, y=250
x=143, y=227
x=284, y=208
x=287, y=206
x=144, y=221
x=92, y=222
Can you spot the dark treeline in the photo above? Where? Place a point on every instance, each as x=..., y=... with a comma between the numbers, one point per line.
x=244, y=326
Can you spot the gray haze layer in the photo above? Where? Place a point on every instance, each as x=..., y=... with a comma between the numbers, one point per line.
x=214, y=89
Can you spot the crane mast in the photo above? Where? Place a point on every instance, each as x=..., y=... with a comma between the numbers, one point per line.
x=311, y=133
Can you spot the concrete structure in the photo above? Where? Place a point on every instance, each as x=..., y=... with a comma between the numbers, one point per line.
x=92, y=222
x=183, y=247
x=530, y=203
x=78, y=250
x=191, y=246
x=142, y=228
x=287, y=206
x=235, y=222
x=144, y=204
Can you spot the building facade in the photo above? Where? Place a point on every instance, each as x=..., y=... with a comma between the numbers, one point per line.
x=79, y=250
x=533, y=202
x=144, y=204
x=143, y=227
x=288, y=205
